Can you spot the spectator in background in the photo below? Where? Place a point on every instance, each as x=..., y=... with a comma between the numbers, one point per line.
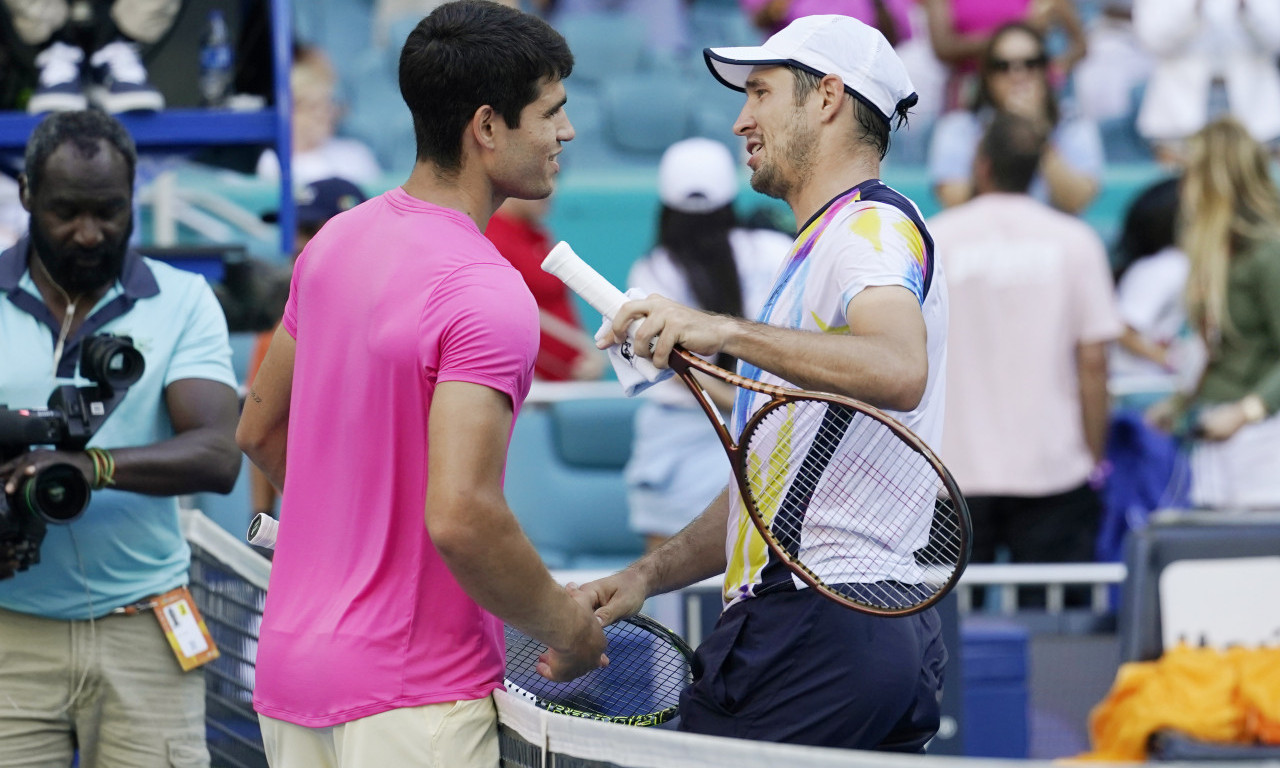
x=705, y=259
x=1032, y=313
x=317, y=152
x=1230, y=230
x=565, y=351
x=1212, y=57
x=1116, y=65
x=99, y=52
x=891, y=17
x=318, y=202
x=962, y=30
x=1151, y=277
x=1014, y=78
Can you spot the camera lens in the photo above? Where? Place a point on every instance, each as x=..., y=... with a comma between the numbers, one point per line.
x=112, y=361
x=58, y=494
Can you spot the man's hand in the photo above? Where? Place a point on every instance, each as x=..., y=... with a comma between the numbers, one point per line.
x=585, y=651
x=664, y=324
x=617, y=596
x=15, y=471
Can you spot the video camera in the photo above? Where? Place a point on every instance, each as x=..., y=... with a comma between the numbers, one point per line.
x=59, y=493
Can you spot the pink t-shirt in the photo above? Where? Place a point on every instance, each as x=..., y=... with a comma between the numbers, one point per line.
x=1027, y=285
x=362, y=616
x=971, y=17
x=862, y=10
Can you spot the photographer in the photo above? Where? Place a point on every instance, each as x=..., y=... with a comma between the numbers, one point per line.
x=84, y=662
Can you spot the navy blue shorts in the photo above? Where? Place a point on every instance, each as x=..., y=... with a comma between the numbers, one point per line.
x=797, y=668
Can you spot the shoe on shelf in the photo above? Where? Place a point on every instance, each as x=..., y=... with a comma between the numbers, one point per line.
x=58, y=88
x=118, y=81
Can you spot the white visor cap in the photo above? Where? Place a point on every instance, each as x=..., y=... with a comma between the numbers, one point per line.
x=826, y=45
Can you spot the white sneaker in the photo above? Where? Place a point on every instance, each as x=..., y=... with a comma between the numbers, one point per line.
x=119, y=81
x=58, y=88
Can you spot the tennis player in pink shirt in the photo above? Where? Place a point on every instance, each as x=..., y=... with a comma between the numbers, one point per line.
x=406, y=349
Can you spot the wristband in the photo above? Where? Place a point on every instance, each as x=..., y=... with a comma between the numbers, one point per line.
x=104, y=468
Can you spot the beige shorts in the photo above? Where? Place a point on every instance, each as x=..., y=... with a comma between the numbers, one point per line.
x=453, y=734
x=114, y=687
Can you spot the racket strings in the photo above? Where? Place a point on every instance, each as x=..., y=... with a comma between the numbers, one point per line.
x=847, y=497
x=641, y=686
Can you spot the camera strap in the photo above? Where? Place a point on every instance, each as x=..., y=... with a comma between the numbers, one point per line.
x=182, y=624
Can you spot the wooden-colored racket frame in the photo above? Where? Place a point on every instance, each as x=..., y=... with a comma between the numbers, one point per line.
x=684, y=363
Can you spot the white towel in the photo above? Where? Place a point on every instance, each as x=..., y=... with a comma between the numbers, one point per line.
x=635, y=374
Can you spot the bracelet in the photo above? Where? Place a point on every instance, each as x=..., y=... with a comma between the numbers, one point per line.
x=104, y=467
x=1253, y=408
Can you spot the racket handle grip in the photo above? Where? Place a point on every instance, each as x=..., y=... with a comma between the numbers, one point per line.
x=602, y=295
x=594, y=289
x=592, y=286
x=262, y=531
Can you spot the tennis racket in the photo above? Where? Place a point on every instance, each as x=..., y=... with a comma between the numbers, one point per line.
x=649, y=665
x=847, y=498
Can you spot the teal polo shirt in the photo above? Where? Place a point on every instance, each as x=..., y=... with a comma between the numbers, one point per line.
x=126, y=546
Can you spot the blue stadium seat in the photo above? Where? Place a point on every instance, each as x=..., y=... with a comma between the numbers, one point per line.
x=376, y=112
x=604, y=45
x=646, y=113
x=718, y=24
x=564, y=481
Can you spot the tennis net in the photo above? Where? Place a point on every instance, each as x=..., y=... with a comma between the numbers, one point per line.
x=229, y=580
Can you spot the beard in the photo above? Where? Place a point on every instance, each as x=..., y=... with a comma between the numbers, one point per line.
x=796, y=152
x=79, y=270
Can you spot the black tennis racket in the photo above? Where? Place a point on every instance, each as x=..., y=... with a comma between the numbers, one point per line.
x=846, y=498
x=649, y=665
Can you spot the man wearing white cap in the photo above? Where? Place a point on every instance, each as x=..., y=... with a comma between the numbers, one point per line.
x=858, y=308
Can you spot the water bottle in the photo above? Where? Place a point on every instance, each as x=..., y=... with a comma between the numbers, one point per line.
x=215, y=61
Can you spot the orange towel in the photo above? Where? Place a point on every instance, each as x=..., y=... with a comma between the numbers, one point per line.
x=1226, y=696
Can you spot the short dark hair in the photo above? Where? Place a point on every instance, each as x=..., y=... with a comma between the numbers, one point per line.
x=875, y=129
x=84, y=128
x=1150, y=225
x=1012, y=146
x=468, y=54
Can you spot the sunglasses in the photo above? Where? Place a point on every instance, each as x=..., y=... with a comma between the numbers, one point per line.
x=1009, y=65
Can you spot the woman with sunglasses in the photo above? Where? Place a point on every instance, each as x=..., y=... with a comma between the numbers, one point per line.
x=1014, y=77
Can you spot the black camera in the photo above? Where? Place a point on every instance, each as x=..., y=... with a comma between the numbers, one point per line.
x=59, y=493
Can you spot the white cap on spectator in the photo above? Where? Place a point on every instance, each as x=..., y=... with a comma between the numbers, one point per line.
x=826, y=45
x=697, y=175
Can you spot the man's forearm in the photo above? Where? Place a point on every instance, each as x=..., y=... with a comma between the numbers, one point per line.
x=1094, y=402
x=194, y=461
x=269, y=457
x=498, y=567
x=693, y=554
x=873, y=370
